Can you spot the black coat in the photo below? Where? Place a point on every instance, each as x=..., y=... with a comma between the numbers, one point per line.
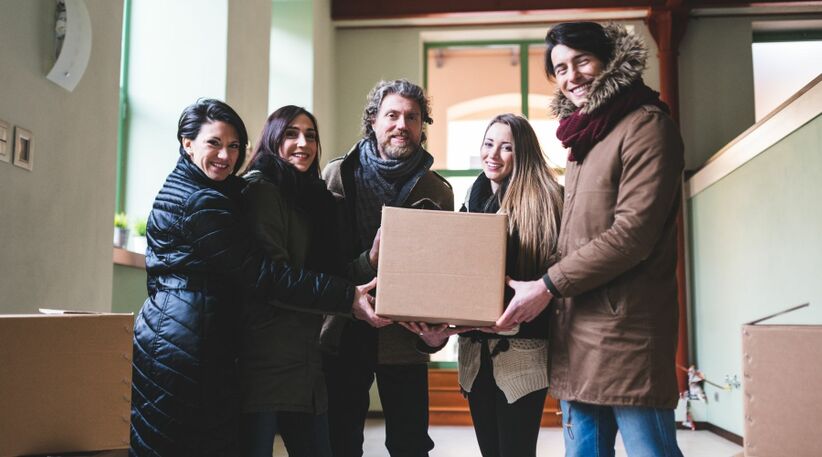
x=481, y=199
x=201, y=266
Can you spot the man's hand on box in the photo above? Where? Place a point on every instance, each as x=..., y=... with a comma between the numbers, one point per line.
x=374, y=253
x=530, y=299
x=433, y=335
x=363, y=307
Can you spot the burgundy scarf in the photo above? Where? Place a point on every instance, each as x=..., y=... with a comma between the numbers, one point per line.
x=581, y=132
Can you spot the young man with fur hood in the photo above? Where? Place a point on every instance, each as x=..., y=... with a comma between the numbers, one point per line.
x=614, y=332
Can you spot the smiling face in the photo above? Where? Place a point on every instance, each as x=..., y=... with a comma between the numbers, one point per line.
x=299, y=143
x=215, y=150
x=575, y=70
x=497, y=153
x=398, y=127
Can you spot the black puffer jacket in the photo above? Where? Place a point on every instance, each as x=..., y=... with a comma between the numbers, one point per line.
x=201, y=265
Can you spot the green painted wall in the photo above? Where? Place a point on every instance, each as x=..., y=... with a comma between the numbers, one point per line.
x=716, y=81
x=129, y=289
x=756, y=249
x=716, y=94
x=56, y=220
x=364, y=57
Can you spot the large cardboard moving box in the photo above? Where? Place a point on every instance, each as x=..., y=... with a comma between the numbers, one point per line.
x=65, y=383
x=441, y=267
x=783, y=398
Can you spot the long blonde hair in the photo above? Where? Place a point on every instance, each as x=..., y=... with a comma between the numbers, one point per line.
x=532, y=200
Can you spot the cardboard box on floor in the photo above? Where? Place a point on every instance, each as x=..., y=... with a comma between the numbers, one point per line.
x=65, y=383
x=783, y=399
x=441, y=267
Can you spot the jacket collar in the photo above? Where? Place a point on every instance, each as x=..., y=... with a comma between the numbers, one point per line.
x=231, y=186
x=625, y=67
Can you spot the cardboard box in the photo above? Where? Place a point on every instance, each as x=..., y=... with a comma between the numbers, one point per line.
x=441, y=267
x=65, y=383
x=783, y=399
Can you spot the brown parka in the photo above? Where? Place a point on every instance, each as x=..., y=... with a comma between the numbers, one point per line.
x=614, y=335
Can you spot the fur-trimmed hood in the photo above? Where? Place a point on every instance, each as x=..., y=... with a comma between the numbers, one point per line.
x=625, y=67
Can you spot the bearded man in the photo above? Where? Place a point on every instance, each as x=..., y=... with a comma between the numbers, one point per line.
x=388, y=166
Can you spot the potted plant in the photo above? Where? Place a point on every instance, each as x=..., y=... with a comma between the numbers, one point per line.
x=120, y=230
x=138, y=241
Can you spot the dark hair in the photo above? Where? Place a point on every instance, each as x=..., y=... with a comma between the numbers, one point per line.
x=306, y=190
x=266, y=158
x=207, y=110
x=582, y=36
x=271, y=138
x=401, y=87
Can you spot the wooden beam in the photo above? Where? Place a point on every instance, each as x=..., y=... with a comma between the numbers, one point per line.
x=667, y=25
x=376, y=9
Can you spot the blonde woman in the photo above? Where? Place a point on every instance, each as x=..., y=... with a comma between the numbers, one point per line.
x=505, y=375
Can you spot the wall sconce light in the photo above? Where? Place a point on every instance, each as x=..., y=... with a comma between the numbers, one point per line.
x=73, y=55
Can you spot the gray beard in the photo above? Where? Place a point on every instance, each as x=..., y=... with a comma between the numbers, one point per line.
x=397, y=152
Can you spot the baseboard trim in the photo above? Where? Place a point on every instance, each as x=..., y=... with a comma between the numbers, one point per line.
x=716, y=430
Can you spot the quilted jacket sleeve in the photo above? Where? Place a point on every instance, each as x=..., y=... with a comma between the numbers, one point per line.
x=222, y=240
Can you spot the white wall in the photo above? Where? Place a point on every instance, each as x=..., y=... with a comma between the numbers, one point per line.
x=249, y=29
x=325, y=69
x=56, y=221
x=781, y=69
x=291, y=60
x=177, y=55
x=181, y=51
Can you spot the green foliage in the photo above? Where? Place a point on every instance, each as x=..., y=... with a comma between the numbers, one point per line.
x=121, y=220
x=140, y=227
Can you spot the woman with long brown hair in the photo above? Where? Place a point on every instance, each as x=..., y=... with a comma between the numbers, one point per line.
x=292, y=216
x=504, y=375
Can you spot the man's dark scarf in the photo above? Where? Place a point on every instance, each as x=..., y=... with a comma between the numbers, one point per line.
x=581, y=132
x=383, y=182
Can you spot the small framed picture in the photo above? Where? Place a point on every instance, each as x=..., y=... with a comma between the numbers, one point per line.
x=23, y=148
x=5, y=142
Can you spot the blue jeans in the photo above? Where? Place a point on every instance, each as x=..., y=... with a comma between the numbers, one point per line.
x=590, y=430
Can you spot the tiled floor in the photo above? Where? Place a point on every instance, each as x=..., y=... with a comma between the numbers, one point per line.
x=461, y=442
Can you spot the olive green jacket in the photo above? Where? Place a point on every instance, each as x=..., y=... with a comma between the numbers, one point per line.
x=281, y=364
